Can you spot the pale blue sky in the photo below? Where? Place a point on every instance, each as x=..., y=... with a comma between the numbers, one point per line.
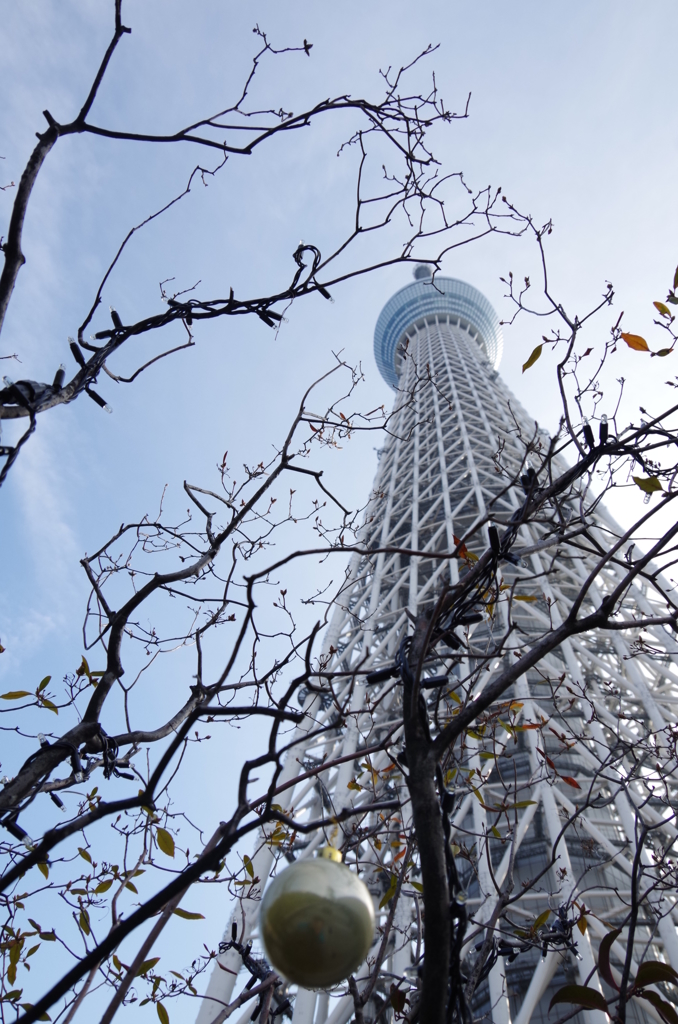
x=572, y=113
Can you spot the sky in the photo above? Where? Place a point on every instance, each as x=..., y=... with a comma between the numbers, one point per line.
x=571, y=113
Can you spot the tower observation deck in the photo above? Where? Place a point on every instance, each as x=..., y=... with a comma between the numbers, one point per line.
x=439, y=346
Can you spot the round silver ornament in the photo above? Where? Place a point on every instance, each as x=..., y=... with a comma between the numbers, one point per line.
x=317, y=921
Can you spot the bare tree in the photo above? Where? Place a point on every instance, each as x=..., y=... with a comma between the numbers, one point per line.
x=463, y=726
x=405, y=183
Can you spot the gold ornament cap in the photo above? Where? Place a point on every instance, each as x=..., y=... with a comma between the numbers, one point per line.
x=329, y=853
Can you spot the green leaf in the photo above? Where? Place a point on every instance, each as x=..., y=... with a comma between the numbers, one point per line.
x=84, y=921
x=162, y=1013
x=132, y=887
x=651, y=972
x=520, y=804
x=390, y=893
x=165, y=842
x=84, y=854
x=49, y=704
x=648, y=484
x=487, y=755
x=188, y=915
x=43, y=683
x=541, y=920
x=14, y=695
x=604, y=957
x=675, y=279
x=29, y=1006
x=146, y=966
x=103, y=886
x=581, y=995
x=663, y=352
x=248, y=866
x=635, y=342
x=534, y=356
x=44, y=868
x=664, y=310
x=418, y=886
x=664, y=1009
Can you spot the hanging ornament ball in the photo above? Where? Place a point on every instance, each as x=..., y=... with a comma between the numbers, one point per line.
x=317, y=921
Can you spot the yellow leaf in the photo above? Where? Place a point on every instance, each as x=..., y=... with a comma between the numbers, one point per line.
x=188, y=915
x=165, y=842
x=44, y=868
x=471, y=557
x=84, y=854
x=248, y=866
x=354, y=785
x=418, y=886
x=84, y=921
x=664, y=310
x=525, y=597
x=14, y=695
x=635, y=342
x=582, y=922
x=536, y=352
x=648, y=484
x=103, y=887
x=541, y=920
x=455, y=849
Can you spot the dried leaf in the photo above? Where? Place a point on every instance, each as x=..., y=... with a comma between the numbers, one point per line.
x=582, y=924
x=638, y=344
x=580, y=995
x=604, y=957
x=652, y=972
x=570, y=781
x=165, y=842
x=534, y=356
x=398, y=999
x=665, y=1010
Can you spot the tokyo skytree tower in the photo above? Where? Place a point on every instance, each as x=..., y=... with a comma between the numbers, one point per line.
x=439, y=347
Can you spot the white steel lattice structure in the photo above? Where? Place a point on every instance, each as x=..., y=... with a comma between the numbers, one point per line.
x=437, y=477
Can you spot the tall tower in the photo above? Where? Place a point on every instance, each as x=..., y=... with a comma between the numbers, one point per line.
x=455, y=425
